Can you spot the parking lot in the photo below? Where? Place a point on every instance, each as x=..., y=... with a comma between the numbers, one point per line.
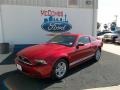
x=89, y=75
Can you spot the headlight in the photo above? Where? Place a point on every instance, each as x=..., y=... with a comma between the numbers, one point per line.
x=112, y=36
x=41, y=62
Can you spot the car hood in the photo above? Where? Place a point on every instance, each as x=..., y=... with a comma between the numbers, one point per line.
x=41, y=51
x=110, y=34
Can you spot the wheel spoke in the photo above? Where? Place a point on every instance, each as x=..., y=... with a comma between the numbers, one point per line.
x=98, y=54
x=61, y=69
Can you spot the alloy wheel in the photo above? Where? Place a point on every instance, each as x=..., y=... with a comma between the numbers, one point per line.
x=98, y=55
x=61, y=69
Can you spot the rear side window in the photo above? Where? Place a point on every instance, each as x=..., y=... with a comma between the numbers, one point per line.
x=84, y=40
x=92, y=39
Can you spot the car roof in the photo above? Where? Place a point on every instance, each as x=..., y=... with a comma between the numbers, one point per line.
x=72, y=34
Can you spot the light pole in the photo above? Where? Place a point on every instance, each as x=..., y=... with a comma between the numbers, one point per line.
x=116, y=17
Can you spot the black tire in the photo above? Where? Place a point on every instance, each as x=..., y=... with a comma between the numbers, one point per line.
x=97, y=55
x=113, y=40
x=55, y=75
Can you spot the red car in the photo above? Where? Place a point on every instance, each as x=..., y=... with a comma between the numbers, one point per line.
x=58, y=55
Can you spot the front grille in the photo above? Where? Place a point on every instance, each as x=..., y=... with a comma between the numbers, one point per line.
x=107, y=36
x=24, y=60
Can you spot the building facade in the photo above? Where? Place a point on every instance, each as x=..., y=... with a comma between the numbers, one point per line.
x=21, y=20
x=53, y=3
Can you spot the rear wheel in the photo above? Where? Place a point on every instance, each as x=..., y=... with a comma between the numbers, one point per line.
x=60, y=69
x=97, y=56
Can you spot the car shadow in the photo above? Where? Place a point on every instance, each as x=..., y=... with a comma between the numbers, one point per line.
x=16, y=80
x=117, y=44
x=81, y=66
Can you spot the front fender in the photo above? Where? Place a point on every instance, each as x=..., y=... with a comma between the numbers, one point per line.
x=52, y=59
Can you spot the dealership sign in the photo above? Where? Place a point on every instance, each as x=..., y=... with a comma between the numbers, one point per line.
x=55, y=21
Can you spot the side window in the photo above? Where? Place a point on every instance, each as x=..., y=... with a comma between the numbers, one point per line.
x=118, y=32
x=84, y=40
x=93, y=39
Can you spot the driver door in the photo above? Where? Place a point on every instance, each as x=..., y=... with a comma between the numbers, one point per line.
x=82, y=52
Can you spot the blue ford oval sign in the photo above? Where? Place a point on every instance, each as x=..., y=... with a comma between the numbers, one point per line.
x=55, y=24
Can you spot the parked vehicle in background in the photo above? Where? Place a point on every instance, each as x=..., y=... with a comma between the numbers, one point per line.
x=55, y=57
x=111, y=36
x=117, y=40
x=100, y=33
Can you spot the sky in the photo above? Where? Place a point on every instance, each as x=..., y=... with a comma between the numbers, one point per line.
x=107, y=10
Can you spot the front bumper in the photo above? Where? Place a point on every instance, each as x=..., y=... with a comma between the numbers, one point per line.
x=110, y=39
x=43, y=71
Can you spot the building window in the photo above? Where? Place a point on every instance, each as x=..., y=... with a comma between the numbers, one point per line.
x=72, y=3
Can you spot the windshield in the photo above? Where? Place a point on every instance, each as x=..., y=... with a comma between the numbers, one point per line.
x=63, y=39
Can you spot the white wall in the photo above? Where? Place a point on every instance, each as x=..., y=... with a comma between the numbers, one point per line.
x=50, y=3
x=1, y=34
x=22, y=24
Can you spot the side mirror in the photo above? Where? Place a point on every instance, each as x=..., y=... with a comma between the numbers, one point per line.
x=79, y=44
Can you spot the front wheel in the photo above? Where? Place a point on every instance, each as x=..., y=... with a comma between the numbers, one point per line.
x=60, y=69
x=113, y=40
x=97, y=56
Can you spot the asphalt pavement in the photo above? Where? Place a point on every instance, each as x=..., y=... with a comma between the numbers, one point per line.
x=89, y=75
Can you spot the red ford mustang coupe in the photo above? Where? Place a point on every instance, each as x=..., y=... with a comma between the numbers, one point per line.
x=58, y=55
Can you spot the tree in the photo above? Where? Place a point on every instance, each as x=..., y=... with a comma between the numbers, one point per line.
x=105, y=26
x=98, y=25
x=113, y=26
